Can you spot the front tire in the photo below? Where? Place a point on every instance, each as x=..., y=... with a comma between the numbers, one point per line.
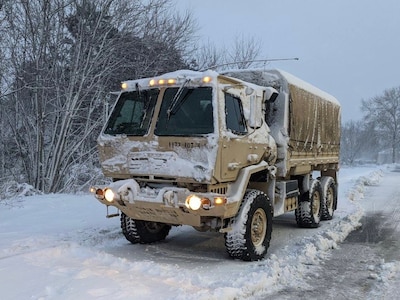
x=308, y=214
x=251, y=228
x=143, y=232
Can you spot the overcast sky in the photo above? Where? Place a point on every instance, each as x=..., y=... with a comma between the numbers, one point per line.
x=348, y=48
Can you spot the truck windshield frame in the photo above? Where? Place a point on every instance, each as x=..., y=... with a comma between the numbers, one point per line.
x=133, y=113
x=190, y=115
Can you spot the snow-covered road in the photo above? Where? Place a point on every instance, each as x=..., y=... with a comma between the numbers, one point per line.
x=63, y=247
x=367, y=264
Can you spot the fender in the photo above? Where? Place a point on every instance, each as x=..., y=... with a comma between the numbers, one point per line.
x=237, y=189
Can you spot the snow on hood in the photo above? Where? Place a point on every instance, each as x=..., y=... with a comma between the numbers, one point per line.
x=144, y=158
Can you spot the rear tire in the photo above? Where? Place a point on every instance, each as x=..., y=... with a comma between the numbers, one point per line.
x=329, y=197
x=143, y=232
x=251, y=228
x=308, y=214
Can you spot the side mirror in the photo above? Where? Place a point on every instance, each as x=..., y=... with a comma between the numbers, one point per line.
x=270, y=94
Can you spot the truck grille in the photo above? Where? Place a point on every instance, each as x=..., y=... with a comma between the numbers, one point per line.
x=219, y=189
x=142, y=162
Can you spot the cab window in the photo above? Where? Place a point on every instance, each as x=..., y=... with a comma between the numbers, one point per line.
x=133, y=113
x=235, y=120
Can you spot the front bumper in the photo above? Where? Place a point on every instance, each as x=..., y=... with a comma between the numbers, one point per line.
x=165, y=205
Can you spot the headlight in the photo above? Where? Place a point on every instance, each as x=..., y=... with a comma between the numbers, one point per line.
x=193, y=202
x=109, y=195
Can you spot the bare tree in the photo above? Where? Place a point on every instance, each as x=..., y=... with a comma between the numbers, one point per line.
x=242, y=54
x=383, y=112
x=3, y=85
x=244, y=51
x=208, y=56
x=351, y=144
x=65, y=56
x=358, y=141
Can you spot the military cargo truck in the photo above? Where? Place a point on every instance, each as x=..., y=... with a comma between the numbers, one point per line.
x=225, y=152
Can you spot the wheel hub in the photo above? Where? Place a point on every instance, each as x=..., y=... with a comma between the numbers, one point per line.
x=316, y=204
x=153, y=227
x=258, y=227
x=329, y=198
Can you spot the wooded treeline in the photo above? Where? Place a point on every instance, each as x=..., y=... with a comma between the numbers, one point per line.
x=59, y=61
x=375, y=138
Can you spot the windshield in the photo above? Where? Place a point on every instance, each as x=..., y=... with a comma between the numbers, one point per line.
x=133, y=113
x=186, y=114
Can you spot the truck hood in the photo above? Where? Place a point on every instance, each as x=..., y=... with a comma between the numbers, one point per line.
x=180, y=160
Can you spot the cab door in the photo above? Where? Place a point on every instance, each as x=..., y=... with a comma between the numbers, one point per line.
x=235, y=146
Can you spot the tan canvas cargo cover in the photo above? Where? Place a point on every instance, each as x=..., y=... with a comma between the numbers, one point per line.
x=312, y=124
x=314, y=121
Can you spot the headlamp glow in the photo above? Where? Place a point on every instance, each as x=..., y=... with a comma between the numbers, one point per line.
x=219, y=201
x=171, y=81
x=162, y=81
x=124, y=85
x=109, y=195
x=193, y=202
x=207, y=79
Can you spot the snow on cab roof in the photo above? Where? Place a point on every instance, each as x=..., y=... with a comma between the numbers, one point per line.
x=272, y=77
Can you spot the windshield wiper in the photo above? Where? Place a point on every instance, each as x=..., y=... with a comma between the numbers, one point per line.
x=176, y=98
x=146, y=108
